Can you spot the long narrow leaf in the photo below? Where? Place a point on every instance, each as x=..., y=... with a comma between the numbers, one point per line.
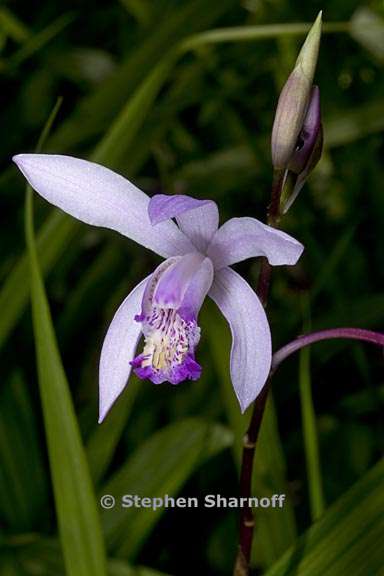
x=43, y=556
x=77, y=514
x=160, y=466
x=348, y=539
x=316, y=497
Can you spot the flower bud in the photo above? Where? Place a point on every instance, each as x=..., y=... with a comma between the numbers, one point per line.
x=308, y=134
x=294, y=99
x=308, y=150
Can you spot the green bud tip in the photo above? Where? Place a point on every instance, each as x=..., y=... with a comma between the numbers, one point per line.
x=294, y=99
x=307, y=58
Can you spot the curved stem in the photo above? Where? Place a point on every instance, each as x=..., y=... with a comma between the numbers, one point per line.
x=308, y=339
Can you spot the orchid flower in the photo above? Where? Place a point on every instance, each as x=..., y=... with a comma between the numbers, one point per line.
x=164, y=307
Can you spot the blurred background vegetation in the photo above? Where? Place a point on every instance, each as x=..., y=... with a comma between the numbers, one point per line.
x=145, y=93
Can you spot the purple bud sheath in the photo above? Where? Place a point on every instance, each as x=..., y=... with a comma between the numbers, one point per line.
x=308, y=134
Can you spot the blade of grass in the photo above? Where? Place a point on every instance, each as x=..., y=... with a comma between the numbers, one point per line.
x=274, y=534
x=56, y=233
x=42, y=556
x=20, y=501
x=316, y=497
x=37, y=41
x=367, y=28
x=12, y=26
x=332, y=262
x=96, y=112
x=252, y=33
x=103, y=441
x=347, y=539
x=355, y=123
x=160, y=466
x=315, y=486
x=133, y=115
x=78, y=519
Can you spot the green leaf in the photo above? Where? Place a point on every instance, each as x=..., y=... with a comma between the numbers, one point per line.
x=308, y=416
x=274, y=533
x=96, y=112
x=252, y=33
x=326, y=273
x=39, y=40
x=20, y=501
x=43, y=556
x=367, y=28
x=78, y=519
x=350, y=125
x=56, y=233
x=348, y=539
x=103, y=441
x=160, y=466
x=12, y=26
x=113, y=146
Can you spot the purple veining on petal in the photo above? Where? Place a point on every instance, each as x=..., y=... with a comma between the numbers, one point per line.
x=152, y=285
x=168, y=353
x=170, y=330
x=188, y=370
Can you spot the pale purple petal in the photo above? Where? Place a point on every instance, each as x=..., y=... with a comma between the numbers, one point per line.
x=151, y=286
x=242, y=238
x=197, y=291
x=251, y=351
x=198, y=219
x=174, y=281
x=119, y=349
x=99, y=196
x=187, y=285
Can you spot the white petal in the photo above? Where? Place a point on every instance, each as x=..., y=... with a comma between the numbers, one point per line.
x=242, y=238
x=99, y=196
x=199, y=219
x=119, y=349
x=251, y=352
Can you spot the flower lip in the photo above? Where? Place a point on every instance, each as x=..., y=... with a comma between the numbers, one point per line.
x=170, y=308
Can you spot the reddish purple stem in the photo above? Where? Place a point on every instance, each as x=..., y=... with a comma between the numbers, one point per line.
x=307, y=339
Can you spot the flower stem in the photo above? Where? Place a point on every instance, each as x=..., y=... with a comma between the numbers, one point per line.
x=307, y=339
x=247, y=522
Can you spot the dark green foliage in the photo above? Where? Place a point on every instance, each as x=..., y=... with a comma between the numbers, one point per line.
x=150, y=96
